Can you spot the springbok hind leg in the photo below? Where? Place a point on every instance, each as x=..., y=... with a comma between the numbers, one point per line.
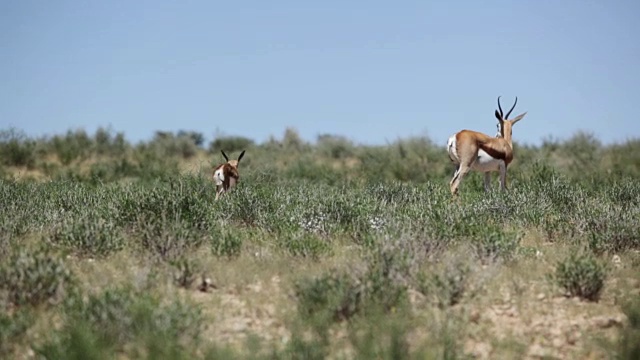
x=487, y=181
x=455, y=174
x=457, y=178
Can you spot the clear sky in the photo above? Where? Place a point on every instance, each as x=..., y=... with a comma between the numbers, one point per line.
x=372, y=71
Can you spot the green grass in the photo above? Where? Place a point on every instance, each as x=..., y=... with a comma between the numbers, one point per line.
x=336, y=255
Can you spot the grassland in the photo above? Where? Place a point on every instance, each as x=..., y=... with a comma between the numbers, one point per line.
x=325, y=250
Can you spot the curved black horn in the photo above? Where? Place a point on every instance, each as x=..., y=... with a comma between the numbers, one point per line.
x=499, y=107
x=513, y=107
x=225, y=155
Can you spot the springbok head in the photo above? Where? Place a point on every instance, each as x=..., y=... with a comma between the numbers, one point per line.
x=226, y=175
x=505, y=126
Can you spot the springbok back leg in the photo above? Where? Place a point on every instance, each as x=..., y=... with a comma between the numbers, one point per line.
x=487, y=181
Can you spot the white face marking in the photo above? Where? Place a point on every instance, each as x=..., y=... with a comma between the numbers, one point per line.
x=218, y=176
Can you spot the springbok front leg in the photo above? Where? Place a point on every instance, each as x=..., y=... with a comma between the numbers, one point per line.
x=503, y=177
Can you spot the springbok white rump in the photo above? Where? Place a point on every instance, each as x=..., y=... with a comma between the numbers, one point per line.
x=472, y=150
x=226, y=175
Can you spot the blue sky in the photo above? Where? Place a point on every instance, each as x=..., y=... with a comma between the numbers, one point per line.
x=372, y=71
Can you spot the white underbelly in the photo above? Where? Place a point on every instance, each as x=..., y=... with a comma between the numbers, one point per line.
x=484, y=162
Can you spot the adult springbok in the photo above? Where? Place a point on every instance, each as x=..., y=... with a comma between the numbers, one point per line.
x=472, y=150
x=226, y=175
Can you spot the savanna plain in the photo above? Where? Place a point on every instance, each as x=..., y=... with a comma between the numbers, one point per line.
x=325, y=249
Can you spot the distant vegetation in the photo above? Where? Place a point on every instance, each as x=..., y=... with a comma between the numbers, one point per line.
x=107, y=156
x=325, y=249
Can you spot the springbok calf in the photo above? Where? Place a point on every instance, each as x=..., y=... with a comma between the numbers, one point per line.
x=472, y=150
x=226, y=175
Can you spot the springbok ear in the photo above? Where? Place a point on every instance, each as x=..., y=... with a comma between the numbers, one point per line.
x=497, y=114
x=225, y=155
x=240, y=157
x=517, y=118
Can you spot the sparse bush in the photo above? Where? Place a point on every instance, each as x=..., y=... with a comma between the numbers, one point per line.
x=226, y=242
x=12, y=328
x=167, y=238
x=112, y=170
x=185, y=272
x=107, y=144
x=335, y=146
x=33, y=278
x=448, y=285
x=629, y=341
x=16, y=149
x=89, y=236
x=306, y=245
x=123, y=320
x=613, y=232
x=74, y=145
x=230, y=144
x=498, y=245
x=334, y=296
x=388, y=277
x=196, y=137
x=340, y=295
x=581, y=275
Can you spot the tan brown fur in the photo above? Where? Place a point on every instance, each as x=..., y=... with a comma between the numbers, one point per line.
x=230, y=173
x=468, y=144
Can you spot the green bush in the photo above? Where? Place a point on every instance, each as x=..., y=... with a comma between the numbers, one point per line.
x=582, y=275
x=498, y=245
x=185, y=272
x=166, y=238
x=13, y=327
x=33, y=278
x=446, y=286
x=334, y=296
x=123, y=320
x=90, y=236
x=629, y=341
x=16, y=149
x=306, y=245
x=226, y=242
x=74, y=145
x=229, y=144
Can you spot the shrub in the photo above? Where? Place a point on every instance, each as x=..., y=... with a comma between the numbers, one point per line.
x=388, y=276
x=74, y=145
x=306, y=245
x=122, y=320
x=16, y=149
x=226, y=242
x=107, y=144
x=185, y=272
x=335, y=146
x=89, y=236
x=166, y=238
x=448, y=285
x=33, y=278
x=12, y=328
x=498, y=245
x=340, y=295
x=581, y=275
x=629, y=341
x=229, y=144
x=333, y=296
